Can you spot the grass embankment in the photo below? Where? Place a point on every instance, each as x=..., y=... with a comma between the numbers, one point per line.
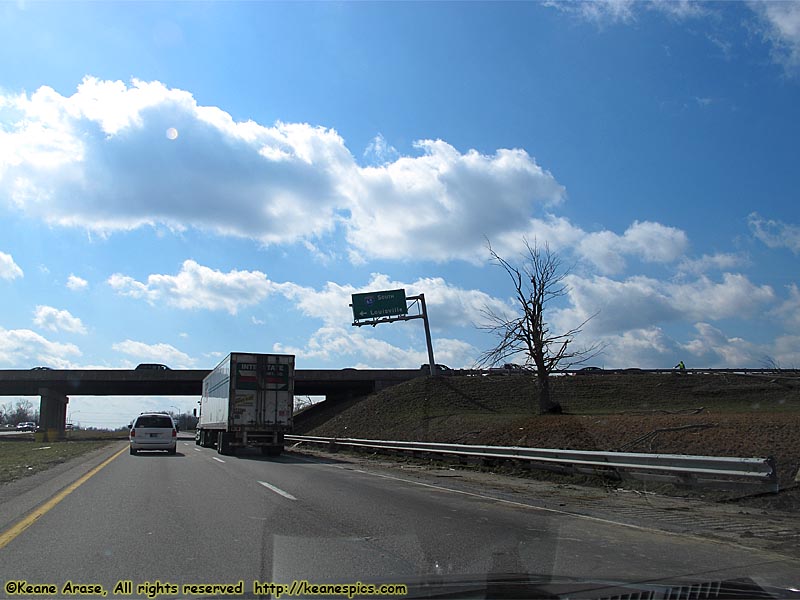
x=715, y=414
x=22, y=458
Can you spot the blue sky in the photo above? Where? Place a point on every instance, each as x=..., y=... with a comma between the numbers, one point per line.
x=179, y=180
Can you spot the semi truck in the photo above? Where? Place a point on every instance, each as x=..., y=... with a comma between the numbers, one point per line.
x=247, y=402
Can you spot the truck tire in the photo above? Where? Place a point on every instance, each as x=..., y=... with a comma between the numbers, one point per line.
x=223, y=443
x=206, y=439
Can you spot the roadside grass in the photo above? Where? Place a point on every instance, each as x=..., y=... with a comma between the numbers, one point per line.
x=605, y=394
x=421, y=403
x=706, y=415
x=23, y=458
x=83, y=435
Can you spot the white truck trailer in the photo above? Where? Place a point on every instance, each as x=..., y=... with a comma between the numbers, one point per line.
x=247, y=401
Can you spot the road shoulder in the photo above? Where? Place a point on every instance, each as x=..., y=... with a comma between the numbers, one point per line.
x=19, y=497
x=748, y=527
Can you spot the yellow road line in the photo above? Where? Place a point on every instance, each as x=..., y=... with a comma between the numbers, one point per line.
x=8, y=535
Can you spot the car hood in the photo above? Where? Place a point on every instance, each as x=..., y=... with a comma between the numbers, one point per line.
x=528, y=586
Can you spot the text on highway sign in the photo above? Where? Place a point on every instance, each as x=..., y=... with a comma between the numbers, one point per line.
x=379, y=304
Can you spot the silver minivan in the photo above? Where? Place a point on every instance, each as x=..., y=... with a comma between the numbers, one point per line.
x=153, y=431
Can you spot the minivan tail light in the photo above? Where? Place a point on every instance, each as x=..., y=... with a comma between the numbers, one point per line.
x=133, y=433
x=174, y=433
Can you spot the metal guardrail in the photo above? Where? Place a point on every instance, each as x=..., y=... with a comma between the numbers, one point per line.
x=698, y=471
x=624, y=371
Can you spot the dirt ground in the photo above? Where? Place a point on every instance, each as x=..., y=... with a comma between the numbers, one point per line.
x=718, y=415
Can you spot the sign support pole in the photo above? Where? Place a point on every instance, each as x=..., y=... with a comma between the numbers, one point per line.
x=424, y=310
x=391, y=302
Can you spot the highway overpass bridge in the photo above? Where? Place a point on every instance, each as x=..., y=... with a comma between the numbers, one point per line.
x=54, y=386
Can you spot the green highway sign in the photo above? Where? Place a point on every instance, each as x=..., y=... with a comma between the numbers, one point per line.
x=375, y=305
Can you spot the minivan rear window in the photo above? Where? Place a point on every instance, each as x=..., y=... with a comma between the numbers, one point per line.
x=154, y=421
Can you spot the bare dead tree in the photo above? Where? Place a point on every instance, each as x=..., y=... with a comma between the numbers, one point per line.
x=302, y=402
x=768, y=362
x=538, y=282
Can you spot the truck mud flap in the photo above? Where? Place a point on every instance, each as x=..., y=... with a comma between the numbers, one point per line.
x=224, y=443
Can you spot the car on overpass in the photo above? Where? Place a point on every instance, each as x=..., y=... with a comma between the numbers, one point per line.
x=152, y=367
x=427, y=367
x=26, y=426
x=509, y=368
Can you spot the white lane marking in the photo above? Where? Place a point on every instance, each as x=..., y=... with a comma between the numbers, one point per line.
x=529, y=506
x=277, y=490
x=217, y=459
x=197, y=450
x=543, y=508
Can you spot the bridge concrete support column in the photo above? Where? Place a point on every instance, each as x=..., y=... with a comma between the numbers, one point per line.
x=52, y=415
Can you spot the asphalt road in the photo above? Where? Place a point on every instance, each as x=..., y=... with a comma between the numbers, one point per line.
x=198, y=517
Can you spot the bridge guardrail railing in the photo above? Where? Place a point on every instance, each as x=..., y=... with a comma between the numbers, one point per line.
x=695, y=471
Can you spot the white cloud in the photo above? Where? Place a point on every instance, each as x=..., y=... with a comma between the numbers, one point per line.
x=780, y=23
x=76, y=283
x=643, y=302
x=156, y=353
x=609, y=12
x=775, y=234
x=198, y=287
x=365, y=351
x=8, y=268
x=99, y=159
x=600, y=12
x=789, y=310
x=443, y=204
x=647, y=347
x=680, y=10
x=22, y=347
x=53, y=319
x=341, y=344
x=380, y=152
x=707, y=347
x=712, y=348
x=636, y=303
x=786, y=351
x=712, y=262
x=447, y=305
x=734, y=296
x=606, y=251
x=724, y=46
x=651, y=242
